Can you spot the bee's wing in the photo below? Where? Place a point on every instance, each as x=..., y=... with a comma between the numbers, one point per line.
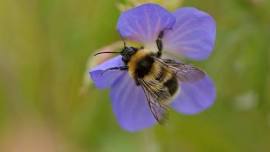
x=184, y=72
x=158, y=108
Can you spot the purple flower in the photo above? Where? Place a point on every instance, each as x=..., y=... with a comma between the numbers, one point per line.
x=188, y=32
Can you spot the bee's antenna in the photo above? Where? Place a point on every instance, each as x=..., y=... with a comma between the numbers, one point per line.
x=125, y=44
x=105, y=52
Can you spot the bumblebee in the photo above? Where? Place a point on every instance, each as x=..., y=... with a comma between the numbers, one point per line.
x=159, y=78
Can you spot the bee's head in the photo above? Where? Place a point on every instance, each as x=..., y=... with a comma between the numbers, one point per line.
x=127, y=52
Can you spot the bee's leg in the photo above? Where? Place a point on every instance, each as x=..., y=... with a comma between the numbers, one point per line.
x=137, y=82
x=121, y=68
x=159, y=43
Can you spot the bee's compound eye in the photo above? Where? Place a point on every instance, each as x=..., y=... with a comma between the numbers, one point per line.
x=131, y=50
x=127, y=52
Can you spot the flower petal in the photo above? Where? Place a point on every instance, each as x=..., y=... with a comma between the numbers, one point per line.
x=130, y=104
x=144, y=23
x=105, y=79
x=195, y=97
x=193, y=34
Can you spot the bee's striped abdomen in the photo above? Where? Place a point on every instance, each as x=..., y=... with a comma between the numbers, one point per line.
x=167, y=78
x=167, y=82
x=172, y=85
x=161, y=75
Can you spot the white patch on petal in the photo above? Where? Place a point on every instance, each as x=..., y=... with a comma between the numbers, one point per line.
x=152, y=47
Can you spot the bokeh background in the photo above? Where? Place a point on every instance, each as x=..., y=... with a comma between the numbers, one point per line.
x=44, y=49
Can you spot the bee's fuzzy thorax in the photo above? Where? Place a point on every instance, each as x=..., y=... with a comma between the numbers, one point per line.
x=135, y=59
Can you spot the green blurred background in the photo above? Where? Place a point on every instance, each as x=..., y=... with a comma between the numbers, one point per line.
x=44, y=48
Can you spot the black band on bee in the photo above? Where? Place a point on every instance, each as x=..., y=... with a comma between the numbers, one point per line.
x=172, y=85
x=144, y=66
